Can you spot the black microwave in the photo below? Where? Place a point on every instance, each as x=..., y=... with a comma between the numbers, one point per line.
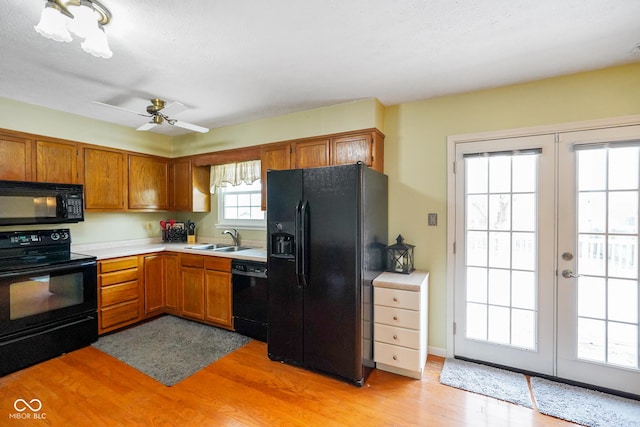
x=23, y=203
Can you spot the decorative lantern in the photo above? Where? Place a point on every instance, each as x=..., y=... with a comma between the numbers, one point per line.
x=400, y=257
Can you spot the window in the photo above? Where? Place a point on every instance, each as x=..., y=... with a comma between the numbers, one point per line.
x=240, y=206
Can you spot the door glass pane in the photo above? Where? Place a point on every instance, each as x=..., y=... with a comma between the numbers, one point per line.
x=624, y=173
x=607, y=289
x=501, y=233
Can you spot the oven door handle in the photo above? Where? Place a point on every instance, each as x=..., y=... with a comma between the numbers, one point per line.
x=48, y=269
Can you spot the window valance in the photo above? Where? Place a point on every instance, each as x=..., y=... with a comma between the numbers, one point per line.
x=232, y=174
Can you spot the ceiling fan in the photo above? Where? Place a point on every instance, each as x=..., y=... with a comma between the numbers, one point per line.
x=159, y=111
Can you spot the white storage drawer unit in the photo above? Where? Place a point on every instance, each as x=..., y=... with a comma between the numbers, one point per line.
x=400, y=310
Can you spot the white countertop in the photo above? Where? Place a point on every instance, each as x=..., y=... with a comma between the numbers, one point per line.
x=407, y=282
x=145, y=246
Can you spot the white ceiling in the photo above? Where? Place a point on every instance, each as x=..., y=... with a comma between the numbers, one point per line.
x=241, y=60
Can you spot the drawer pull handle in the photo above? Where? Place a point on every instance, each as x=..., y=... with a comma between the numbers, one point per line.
x=395, y=317
x=395, y=357
x=395, y=299
x=395, y=337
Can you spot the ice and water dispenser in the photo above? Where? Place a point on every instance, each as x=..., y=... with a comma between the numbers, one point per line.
x=282, y=245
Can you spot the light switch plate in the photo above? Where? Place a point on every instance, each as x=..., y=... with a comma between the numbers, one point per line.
x=433, y=219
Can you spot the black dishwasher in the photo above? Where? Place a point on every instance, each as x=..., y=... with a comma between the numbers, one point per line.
x=250, y=298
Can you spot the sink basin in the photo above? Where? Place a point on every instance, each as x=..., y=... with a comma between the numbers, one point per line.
x=231, y=249
x=207, y=247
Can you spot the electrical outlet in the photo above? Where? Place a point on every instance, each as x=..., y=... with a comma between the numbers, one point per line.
x=432, y=219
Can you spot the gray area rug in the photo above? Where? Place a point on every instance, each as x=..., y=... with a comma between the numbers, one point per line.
x=583, y=406
x=493, y=382
x=170, y=349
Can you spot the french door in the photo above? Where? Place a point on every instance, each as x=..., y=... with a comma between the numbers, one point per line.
x=547, y=254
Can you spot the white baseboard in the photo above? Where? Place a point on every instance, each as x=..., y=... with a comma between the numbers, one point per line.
x=437, y=351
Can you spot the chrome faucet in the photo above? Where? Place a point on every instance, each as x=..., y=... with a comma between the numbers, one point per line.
x=234, y=235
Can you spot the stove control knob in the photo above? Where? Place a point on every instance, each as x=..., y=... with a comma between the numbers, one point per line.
x=65, y=235
x=55, y=236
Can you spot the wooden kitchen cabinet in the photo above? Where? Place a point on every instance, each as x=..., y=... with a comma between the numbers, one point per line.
x=273, y=157
x=104, y=176
x=57, y=161
x=16, y=160
x=171, y=281
x=119, y=294
x=192, y=286
x=148, y=183
x=366, y=146
x=218, y=295
x=154, y=284
x=205, y=286
x=161, y=275
x=363, y=148
x=311, y=153
x=189, y=186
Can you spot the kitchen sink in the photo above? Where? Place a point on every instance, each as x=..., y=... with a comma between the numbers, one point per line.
x=207, y=247
x=231, y=249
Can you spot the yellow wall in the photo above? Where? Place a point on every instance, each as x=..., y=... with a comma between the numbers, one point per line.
x=367, y=113
x=43, y=121
x=416, y=150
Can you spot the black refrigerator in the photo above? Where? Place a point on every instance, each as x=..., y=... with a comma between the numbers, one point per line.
x=327, y=234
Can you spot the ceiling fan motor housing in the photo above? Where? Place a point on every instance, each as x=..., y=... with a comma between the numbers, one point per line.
x=156, y=106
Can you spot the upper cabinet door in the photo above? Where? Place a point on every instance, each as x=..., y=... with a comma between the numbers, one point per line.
x=16, y=162
x=274, y=157
x=189, y=186
x=148, y=183
x=352, y=149
x=309, y=154
x=57, y=162
x=104, y=179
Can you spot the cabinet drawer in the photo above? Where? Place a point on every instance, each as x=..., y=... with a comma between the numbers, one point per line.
x=118, y=277
x=118, y=293
x=396, y=317
x=397, y=298
x=116, y=264
x=217, y=263
x=119, y=313
x=401, y=357
x=397, y=336
x=192, y=261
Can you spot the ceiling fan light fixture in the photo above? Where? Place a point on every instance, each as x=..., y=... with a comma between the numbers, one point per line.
x=53, y=23
x=97, y=44
x=84, y=18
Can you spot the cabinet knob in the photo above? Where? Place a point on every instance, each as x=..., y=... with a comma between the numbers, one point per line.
x=395, y=357
x=395, y=337
x=395, y=317
x=395, y=299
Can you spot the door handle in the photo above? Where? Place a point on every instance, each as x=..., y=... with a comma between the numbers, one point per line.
x=568, y=274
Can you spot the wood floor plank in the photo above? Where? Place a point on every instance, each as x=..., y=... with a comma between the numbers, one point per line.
x=90, y=388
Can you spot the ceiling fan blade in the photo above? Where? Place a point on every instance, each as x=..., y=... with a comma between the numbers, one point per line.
x=173, y=109
x=119, y=108
x=190, y=126
x=147, y=126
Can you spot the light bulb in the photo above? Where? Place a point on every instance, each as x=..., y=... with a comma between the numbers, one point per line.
x=53, y=25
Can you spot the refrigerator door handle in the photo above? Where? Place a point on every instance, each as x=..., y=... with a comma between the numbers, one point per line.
x=304, y=245
x=297, y=237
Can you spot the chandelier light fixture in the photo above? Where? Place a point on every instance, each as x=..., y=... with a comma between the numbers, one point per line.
x=84, y=18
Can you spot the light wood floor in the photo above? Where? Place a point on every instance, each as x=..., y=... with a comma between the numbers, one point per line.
x=90, y=388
